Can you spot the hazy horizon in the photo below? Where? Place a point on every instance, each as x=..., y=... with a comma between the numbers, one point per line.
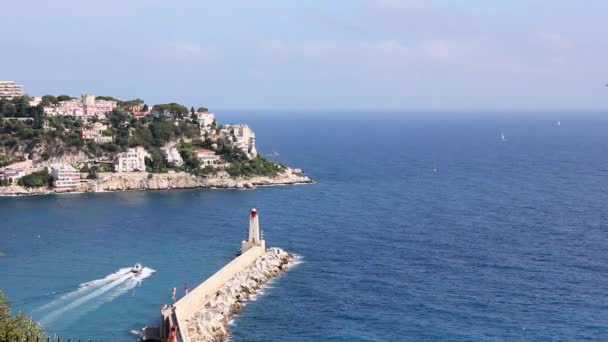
x=383, y=55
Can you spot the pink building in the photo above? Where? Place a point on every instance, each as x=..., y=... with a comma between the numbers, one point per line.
x=86, y=106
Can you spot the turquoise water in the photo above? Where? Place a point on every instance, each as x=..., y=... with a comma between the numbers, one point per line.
x=504, y=241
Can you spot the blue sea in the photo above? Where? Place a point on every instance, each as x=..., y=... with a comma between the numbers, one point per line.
x=421, y=226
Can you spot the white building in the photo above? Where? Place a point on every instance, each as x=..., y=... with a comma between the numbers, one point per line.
x=254, y=238
x=205, y=120
x=71, y=107
x=94, y=107
x=132, y=160
x=65, y=176
x=207, y=157
x=173, y=157
x=95, y=132
x=9, y=89
x=16, y=170
x=87, y=106
x=242, y=137
x=35, y=100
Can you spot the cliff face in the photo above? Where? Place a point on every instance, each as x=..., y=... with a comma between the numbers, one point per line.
x=143, y=181
x=67, y=158
x=183, y=180
x=16, y=190
x=164, y=181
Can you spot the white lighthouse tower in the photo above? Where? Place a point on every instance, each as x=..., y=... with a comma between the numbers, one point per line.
x=254, y=238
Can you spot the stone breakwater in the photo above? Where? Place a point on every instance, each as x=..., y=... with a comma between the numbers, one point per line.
x=210, y=323
x=164, y=181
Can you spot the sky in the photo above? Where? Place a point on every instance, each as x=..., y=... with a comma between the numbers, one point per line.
x=444, y=55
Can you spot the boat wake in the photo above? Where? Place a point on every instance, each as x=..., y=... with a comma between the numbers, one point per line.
x=89, y=296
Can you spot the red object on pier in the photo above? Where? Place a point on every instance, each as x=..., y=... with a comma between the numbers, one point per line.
x=172, y=335
x=254, y=212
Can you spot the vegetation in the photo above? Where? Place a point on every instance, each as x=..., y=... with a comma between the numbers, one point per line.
x=24, y=130
x=107, y=98
x=17, y=327
x=258, y=166
x=4, y=161
x=172, y=108
x=36, y=179
x=61, y=98
x=19, y=107
x=157, y=162
x=48, y=100
x=6, y=182
x=191, y=162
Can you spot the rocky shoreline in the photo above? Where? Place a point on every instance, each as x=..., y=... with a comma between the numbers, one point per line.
x=211, y=322
x=164, y=181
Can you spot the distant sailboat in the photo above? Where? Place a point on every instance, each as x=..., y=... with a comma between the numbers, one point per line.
x=502, y=136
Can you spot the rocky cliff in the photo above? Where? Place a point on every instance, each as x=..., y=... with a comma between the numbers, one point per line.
x=210, y=323
x=163, y=181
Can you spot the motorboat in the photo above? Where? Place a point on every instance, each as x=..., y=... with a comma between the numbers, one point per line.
x=136, y=268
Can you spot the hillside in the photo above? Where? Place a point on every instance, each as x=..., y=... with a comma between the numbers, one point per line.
x=92, y=143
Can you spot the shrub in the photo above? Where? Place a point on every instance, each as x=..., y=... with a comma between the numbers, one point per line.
x=258, y=166
x=36, y=179
x=17, y=327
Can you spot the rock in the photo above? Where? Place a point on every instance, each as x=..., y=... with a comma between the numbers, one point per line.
x=110, y=181
x=211, y=322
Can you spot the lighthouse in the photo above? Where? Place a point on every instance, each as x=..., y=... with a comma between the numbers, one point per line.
x=254, y=239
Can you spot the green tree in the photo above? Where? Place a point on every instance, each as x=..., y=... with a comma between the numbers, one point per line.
x=107, y=98
x=48, y=100
x=17, y=327
x=141, y=136
x=157, y=162
x=191, y=162
x=173, y=108
x=36, y=179
x=118, y=117
x=162, y=131
x=122, y=137
x=63, y=98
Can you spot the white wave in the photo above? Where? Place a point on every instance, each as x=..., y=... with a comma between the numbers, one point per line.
x=297, y=260
x=85, y=288
x=135, y=332
x=93, y=294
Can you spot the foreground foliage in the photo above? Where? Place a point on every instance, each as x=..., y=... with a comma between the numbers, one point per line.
x=17, y=327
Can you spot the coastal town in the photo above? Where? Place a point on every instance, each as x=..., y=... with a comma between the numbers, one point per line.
x=100, y=143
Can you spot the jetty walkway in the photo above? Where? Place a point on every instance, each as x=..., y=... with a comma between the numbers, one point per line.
x=203, y=314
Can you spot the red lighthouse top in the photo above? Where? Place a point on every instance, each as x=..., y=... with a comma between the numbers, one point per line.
x=254, y=212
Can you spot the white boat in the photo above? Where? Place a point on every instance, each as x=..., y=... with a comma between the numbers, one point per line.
x=136, y=268
x=502, y=136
